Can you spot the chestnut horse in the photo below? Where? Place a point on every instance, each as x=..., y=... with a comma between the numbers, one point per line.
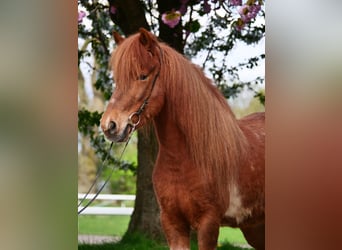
x=210, y=166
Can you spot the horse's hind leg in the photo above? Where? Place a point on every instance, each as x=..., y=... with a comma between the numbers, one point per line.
x=207, y=233
x=177, y=232
x=255, y=236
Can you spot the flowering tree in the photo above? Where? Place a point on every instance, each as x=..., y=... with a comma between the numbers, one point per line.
x=196, y=28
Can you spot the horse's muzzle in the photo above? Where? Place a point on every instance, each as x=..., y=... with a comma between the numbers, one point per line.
x=112, y=132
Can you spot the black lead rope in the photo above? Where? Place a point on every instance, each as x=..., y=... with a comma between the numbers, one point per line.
x=99, y=173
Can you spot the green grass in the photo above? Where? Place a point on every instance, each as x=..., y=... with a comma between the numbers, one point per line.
x=117, y=226
x=139, y=242
x=232, y=235
x=132, y=242
x=103, y=224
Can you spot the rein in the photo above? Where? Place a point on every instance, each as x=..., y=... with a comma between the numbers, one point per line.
x=133, y=120
x=81, y=209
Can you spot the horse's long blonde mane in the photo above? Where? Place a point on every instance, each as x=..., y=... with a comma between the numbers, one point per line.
x=216, y=143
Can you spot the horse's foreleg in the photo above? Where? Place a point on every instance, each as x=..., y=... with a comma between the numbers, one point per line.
x=207, y=233
x=177, y=232
x=255, y=236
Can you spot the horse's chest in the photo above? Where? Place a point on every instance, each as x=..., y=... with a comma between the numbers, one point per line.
x=175, y=186
x=182, y=195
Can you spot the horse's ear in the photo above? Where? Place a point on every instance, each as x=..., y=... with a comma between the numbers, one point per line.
x=146, y=39
x=117, y=38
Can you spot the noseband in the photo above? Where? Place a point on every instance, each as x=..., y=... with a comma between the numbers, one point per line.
x=134, y=118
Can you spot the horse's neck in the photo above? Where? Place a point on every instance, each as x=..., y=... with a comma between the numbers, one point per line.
x=170, y=137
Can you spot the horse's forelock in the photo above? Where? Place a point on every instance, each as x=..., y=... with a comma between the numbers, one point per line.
x=129, y=59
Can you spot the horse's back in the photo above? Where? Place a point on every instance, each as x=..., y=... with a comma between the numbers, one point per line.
x=254, y=119
x=253, y=126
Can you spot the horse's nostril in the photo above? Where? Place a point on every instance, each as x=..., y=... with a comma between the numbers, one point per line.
x=111, y=127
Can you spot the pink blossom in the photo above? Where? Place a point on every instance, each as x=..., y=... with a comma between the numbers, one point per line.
x=171, y=18
x=112, y=9
x=243, y=10
x=248, y=12
x=239, y=24
x=81, y=15
x=255, y=8
x=184, y=6
x=235, y=2
x=206, y=6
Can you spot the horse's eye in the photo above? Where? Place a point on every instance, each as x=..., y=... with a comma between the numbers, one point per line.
x=143, y=77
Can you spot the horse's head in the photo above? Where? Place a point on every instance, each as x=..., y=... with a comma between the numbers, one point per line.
x=138, y=96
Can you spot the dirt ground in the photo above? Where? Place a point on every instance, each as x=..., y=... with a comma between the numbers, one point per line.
x=96, y=239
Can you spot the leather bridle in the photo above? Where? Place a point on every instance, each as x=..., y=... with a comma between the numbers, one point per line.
x=134, y=118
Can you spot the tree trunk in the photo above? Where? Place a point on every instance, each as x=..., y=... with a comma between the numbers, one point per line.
x=145, y=218
x=129, y=15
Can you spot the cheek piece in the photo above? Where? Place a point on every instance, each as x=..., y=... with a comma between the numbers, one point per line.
x=134, y=118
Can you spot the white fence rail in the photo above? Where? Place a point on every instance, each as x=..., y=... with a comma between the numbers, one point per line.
x=99, y=209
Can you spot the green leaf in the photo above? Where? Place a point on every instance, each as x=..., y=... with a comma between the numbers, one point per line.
x=192, y=26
